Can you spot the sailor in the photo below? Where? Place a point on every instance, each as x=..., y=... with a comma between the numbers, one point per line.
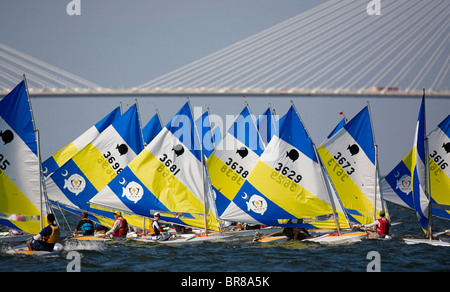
x=296, y=233
x=119, y=228
x=382, y=225
x=85, y=225
x=47, y=238
x=156, y=231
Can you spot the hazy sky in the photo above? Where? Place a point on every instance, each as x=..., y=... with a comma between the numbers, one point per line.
x=120, y=44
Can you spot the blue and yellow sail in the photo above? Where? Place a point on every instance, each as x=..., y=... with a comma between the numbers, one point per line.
x=397, y=186
x=63, y=155
x=420, y=188
x=166, y=177
x=439, y=149
x=234, y=158
x=350, y=160
x=20, y=178
x=92, y=168
x=286, y=187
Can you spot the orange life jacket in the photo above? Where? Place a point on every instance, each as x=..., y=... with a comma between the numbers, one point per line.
x=52, y=238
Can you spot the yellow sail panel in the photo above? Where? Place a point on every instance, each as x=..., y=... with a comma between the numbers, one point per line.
x=440, y=186
x=14, y=202
x=164, y=185
x=285, y=193
x=407, y=160
x=223, y=177
x=353, y=199
x=94, y=166
x=63, y=155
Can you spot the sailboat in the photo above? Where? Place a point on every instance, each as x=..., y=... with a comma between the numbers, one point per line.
x=422, y=159
x=23, y=203
x=234, y=158
x=73, y=184
x=351, y=160
x=51, y=164
x=168, y=177
x=287, y=188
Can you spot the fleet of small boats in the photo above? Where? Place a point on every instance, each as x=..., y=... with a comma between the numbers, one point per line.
x=267, y=174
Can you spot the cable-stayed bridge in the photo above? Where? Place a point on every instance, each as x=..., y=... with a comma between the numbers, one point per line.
x=336, y=48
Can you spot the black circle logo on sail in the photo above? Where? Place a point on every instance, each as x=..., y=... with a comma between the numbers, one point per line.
x=7, y=136
x=178, y=149
x=446, y=147
x=123, y=149
x=354, y=149
x=243, y=152
x=293, y=155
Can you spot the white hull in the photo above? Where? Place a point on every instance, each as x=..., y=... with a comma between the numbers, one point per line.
x=333, y=238
x=254, y=232
x=427, y=241
x=187, y=238
x=23, y=250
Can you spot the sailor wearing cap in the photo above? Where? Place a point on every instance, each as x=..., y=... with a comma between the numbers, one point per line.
x=119, y=228
x=157, y=233
x=382, y=224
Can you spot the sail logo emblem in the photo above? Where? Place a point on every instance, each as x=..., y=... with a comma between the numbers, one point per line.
x=7, y=136
x=75, y=183
x=178, y=149
x=404, y=184
x=243, y=152
x=256, y=203
x=133, y=192
x=446, y=147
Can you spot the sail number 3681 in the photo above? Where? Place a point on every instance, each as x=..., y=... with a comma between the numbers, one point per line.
x=168, y=162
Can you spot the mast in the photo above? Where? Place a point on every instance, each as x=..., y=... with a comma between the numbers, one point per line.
x=208, y=179
x=41, y=176
x=427, y=170
x=203, y=169
x=377, y=170
x=139, y=118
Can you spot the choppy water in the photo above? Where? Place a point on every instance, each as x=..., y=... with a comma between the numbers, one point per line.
x=247, y=256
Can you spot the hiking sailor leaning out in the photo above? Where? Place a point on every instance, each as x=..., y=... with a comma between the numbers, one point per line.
x=119, y=228
x=156, y=230
x=46, y=239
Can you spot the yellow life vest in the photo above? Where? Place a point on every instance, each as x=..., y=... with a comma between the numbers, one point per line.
x=52, y=238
